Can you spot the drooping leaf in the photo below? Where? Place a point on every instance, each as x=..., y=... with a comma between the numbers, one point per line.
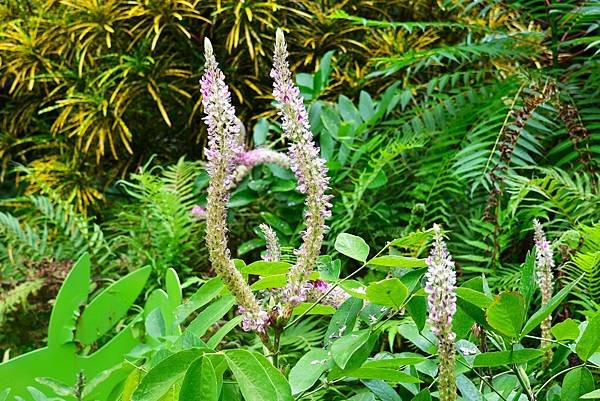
x=308, y=369
x=502, y=358
x=507, y=313
x=165, y=374
x=389, y=292
x=257, y=378
x=576, y=383
x=200, y=382
x=343, y=320
x=346, y=347
x=589, y=342
x=352, y=246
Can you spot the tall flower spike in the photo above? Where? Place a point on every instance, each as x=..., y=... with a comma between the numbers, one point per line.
x=544, y=259
x=273, y=253
x=223, y=148
x=308, y=167
x=441, y=290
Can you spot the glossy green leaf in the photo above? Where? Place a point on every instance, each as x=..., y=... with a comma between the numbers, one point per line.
x=507, y=313
x=468, y=390
x=258, y=379
x=474, y=297
x=210, y=315
x=72, y=295
x=223, y=331
x=344, y=349
x=165, y=374
x=352, y=246
x=502, y=358
x=200, y=382
x=589, y=342
x=397, y=261
x=308, y=369
x=389, y=292
x=576, y=383
x=173, y=288
x=343, y=320
x=110, y=306
x=566, y=330
x=263, y=268
x=548, y=308
x=588, y=396
x=388, y=375
x=394, y=363
x=206, y=293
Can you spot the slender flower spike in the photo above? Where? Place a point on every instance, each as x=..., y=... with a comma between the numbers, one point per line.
x=273, y=253
x=308, y=167
x=223, y=148
x=441, y=290
x=544, y=259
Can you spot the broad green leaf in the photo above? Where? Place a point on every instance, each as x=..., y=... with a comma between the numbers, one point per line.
x=72, y=294
x=210, y=315
x=352, y=246
x=527, y=282
x=200, y=382
x=263, y=268
x=223, y=331
x=389, y=292
x=417, y=308
x=474, y=297
x=468, y=390
x=502, y=358
x=565, y=330
x=394, y=363
x=507, y=313
x=277, y=281
x=423, y=395
x=354, y=288
x=388, y=375
x=165, y=374
x=547, y=309
x=413, y=240
x=590, y=338
x=383, y=391
x=110, y=306
x=308, y=309
x=576, y=383
x=588, y=396
x=344, y=349
x=329, y=269
x=343, y=320
x=257, y=378
x=206, y=293
x=173, y=288
x=397, y=261
x=308, y=369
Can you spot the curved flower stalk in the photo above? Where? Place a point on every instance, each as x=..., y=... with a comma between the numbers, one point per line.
x=250, y=158
x=441, y=290
x=223, y=149
x=544, y=263
x=308, y=167
x=273, y=253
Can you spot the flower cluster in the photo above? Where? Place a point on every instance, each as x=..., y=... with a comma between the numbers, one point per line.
x=544, y=258
x=333, y=296
x=223, y=149
x=198, y=212
x=273, y=253
x=306, y=164
x=441, y=290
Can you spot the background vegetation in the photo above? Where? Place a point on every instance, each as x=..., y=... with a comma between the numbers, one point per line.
x=477, y=115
